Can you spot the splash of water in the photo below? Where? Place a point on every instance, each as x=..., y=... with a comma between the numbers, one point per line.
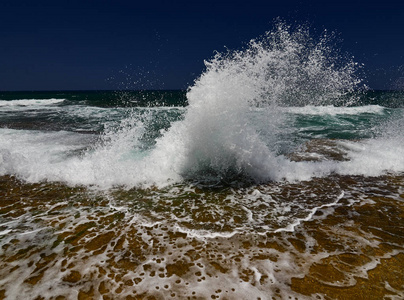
x=220, y=137
x=234, y=129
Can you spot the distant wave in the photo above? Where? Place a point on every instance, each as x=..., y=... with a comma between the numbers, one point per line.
x=30, y=102
x=335, y=110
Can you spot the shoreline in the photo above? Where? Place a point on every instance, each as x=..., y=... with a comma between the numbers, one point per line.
x=70, y=242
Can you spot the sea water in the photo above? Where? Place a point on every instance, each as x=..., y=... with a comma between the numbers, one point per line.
x=276, y=174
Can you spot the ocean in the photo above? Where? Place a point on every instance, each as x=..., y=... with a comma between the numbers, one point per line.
x=276, y=175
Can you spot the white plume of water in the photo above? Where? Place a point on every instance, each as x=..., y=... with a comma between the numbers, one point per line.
x=232, y=129
x=219, y=137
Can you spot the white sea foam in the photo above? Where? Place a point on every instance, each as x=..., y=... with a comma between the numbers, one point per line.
x=30, y=102
x=218, y=137
x=233, y=127
x=333, y=110
x=291, y=227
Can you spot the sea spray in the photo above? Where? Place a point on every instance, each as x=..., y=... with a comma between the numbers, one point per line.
x=219, y=139
x=249, y=113
x=235, y=127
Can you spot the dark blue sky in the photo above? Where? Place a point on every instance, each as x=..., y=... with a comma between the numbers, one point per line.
x=61, y=45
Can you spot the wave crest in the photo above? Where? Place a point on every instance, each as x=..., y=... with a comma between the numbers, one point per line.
x=221, y=136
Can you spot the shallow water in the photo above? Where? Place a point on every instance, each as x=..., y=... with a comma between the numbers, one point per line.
x=198, y=242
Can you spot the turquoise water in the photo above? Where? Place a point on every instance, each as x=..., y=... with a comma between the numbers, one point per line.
x=94, y=112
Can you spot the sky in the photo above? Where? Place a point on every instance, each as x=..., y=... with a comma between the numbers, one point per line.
x=116, y=44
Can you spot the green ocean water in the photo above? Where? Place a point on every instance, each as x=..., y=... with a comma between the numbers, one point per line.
x=112, y=106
